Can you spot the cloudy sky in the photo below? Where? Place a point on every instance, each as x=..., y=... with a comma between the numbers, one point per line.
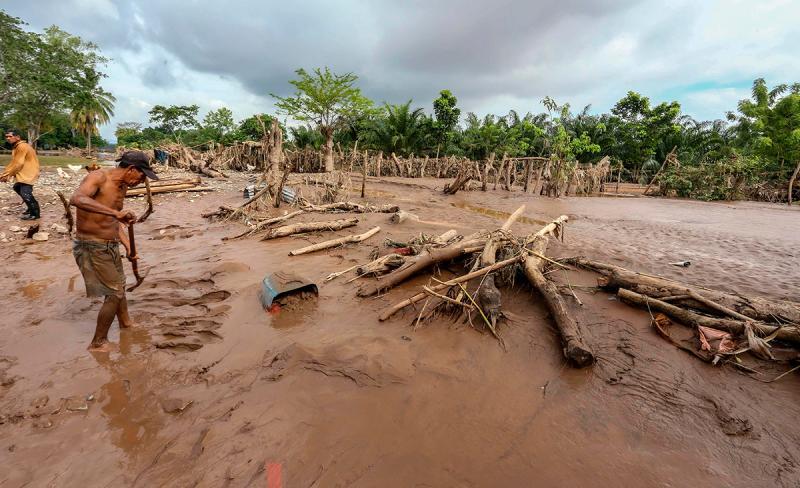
x=494, y=56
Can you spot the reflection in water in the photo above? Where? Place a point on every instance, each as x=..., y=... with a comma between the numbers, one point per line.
x=498, y=214
x=125, y=399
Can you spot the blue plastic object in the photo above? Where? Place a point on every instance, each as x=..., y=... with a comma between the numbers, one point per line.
x=282, y=283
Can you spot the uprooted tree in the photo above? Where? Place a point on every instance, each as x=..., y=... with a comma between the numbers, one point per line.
x=326, y=99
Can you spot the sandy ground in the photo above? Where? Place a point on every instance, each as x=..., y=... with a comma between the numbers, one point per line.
x=210, y=388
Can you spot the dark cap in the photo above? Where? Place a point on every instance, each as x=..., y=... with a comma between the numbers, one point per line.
x=138, y=160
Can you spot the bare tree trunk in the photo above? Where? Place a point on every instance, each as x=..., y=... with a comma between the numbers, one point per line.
x=328, y=149
x=791, y=181
x=536, y=188
x=489, y=163
x=33, y=135
x=528, y=164
x=508, y=164
x=378, y=164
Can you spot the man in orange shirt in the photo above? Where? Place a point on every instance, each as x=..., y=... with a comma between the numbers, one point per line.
x=24, y=168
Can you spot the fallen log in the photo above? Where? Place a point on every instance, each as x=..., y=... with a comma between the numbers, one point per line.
x=426, y=259
x=351, y=207
x=383, y=264
x=574, y=346
x=757, y=308
x=488, y=296
x=260, y=225
x=388, y=312
x=164, y=188
x=335, y=242
x=304, y=227
x=692, y=319
x=463, y=176
x=401, y=216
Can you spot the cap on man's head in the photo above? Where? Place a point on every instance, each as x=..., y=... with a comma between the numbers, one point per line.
x=138, y=160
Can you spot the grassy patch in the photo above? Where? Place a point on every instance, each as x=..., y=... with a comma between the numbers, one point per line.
x=49, y=160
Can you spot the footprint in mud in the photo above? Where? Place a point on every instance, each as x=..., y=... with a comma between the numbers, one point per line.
x=189, y=312
x=364, y=361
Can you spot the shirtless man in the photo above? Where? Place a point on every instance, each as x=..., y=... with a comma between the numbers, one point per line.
x=101, y=227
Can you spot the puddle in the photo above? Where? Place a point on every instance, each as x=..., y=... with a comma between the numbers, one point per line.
x=499, y=215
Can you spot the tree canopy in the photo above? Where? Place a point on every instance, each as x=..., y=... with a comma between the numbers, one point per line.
x=325, y=99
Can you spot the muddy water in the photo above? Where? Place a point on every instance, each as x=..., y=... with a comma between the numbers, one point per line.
x=339, y=399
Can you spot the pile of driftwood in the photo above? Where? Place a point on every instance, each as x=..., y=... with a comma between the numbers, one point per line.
x=495, y=257
x=727, y=324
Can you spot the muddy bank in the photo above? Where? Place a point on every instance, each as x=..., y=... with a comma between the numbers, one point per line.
x=210, y=388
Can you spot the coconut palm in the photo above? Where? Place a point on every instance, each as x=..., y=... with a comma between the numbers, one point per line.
x=91, y=108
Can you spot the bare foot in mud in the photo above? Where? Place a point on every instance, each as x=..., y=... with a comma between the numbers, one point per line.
x=104, y=346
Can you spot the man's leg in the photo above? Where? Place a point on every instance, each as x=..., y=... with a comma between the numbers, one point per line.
x=123, y=318
x=18, y=190
x=107, y=313
x=26, y=192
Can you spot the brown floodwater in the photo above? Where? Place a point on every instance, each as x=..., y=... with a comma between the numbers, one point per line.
x=210, y=389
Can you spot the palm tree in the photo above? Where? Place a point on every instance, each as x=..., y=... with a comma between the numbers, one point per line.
x=90, y=109
x=400, y=130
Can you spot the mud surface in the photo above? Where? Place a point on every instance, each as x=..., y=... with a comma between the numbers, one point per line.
x=209, y=388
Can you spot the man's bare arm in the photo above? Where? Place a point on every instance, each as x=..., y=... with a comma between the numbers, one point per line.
x=83, y=198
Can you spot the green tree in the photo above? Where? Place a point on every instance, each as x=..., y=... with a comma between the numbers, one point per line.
x=400, y=129
x=326, y=99
x=769, y=124
x=637, y=128
x=175, y=119
x=304, y=137
x=218, y=126
x=54, y=69
x=447, y=116
x=15, y=52
x=92, y=106
x=252, y=129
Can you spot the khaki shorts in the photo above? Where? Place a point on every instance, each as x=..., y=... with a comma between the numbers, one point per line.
x=101, y=266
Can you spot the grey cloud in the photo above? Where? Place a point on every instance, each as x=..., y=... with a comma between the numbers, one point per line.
x=482, y=51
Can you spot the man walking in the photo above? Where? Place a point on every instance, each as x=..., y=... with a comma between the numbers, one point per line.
x=24, y=168
x=101, y=227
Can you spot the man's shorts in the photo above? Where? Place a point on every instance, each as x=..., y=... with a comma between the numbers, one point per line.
x=101, y=266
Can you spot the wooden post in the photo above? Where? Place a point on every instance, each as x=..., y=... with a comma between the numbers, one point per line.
x=422, y=168
x=364, y=173
x=528, y=164
x=378, y=164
